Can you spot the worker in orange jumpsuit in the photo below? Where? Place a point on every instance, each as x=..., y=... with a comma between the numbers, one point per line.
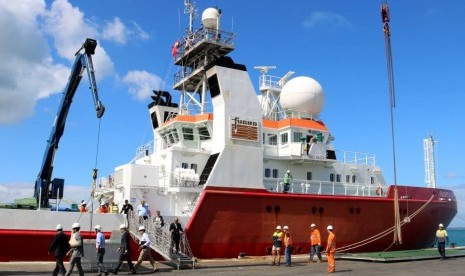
x=83, y=207
x=331, y=249
x=315, y=242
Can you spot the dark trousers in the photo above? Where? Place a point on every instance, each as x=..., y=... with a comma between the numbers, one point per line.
x=59, y=267
x=442, y=249
x=286, y=187
x=100, y=254
x=288, y=254
x=124, y=256
x=175, y=243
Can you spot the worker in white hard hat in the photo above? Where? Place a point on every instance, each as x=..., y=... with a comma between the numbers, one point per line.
x=441, y=239
x=144, y=245
x=103, y=208
x=315, y=243
x=77, y=250
x=59, y=247
x=124, y=249
x=287, y=179
x=331, y=249
x=288, y=247
x=100, y=247
x=277, y=243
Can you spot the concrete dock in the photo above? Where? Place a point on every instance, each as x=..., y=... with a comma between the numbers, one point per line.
x=261, y=266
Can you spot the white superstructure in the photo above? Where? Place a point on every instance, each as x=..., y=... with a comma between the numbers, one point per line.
x=246, y=142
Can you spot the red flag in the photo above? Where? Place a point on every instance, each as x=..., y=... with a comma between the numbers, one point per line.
x=174, y=49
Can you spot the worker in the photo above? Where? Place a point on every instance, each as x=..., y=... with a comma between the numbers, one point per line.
x=315, y=243
x=331, y=249
x=100, y=247
x=144, y=245
x=441, y=239
x=83, y=207
x=277, y=242
x=103, y=208
x=77, y=250
x=114, y=208
x=288, y=248
x=59, y=248
x=124, y=249
x=287, y=181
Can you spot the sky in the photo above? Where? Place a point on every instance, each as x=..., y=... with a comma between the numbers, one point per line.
x=339, y=43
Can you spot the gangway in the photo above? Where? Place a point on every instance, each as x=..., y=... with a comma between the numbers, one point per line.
x=160, y=238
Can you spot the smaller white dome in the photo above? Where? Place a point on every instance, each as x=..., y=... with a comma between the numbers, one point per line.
x=302, y=94
x=210, y=18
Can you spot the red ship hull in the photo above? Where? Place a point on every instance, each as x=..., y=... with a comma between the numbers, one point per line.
x=227, y=223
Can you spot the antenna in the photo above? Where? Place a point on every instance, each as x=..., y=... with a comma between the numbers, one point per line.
x=189, y=8
x=264, y=69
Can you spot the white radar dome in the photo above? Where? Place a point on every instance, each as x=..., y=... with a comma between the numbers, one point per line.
x=302, y=94
x=210, y=18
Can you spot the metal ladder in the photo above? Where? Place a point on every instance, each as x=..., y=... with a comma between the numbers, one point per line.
x=160, y=238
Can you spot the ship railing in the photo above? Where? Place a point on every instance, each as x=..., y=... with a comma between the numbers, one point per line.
x=205, y=35
x=270, y=82
x=299, y=186
x=144, y=150
x=358, y=158
x=161, y=241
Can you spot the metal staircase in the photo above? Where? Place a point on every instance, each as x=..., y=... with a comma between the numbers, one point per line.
x=160, y=238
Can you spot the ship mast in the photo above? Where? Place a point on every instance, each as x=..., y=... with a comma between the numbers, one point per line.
x=385, y=17
x=430, y=166
x=199, y=48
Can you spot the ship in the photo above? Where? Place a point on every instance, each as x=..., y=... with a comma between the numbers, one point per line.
x=218, y=159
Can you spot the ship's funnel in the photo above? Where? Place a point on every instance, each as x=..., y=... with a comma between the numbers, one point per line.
x=211, y=18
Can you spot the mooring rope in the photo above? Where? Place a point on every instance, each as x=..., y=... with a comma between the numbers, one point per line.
x=383, y=233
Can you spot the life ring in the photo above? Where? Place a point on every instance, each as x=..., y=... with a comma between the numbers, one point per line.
x=379, y=191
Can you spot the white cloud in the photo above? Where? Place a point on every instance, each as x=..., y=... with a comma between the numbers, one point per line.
x=115, y=31
x=69, y=28
x=139, y=32
x=27, y=72
x=141, y=83
x=326, y=20
x=118, y=32
x=27, y=69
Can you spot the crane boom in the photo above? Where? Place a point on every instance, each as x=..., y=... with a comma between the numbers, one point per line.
x=43, y=190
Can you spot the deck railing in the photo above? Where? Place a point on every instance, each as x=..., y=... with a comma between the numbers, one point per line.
x=298, y=186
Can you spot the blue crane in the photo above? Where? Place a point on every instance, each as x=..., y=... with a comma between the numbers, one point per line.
x=45, y=188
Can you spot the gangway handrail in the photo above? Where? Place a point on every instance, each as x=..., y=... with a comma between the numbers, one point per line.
x=160, y=238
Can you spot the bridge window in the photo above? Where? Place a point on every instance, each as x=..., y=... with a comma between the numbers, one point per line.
x=194, y=167
x=296, y=137
x=331, y=177
x=184, y=165
x=275, y=173
x=188, y=133
x=309, y=175
x=267, y=172
x=204, y=134
x=338, y=178
x=347, y=178
x=372, y=180
x=272, y=139
x=284, y=138
x=353, y=179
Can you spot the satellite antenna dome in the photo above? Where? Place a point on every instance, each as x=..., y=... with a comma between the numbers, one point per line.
x=210, y=18
x=302, y=94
